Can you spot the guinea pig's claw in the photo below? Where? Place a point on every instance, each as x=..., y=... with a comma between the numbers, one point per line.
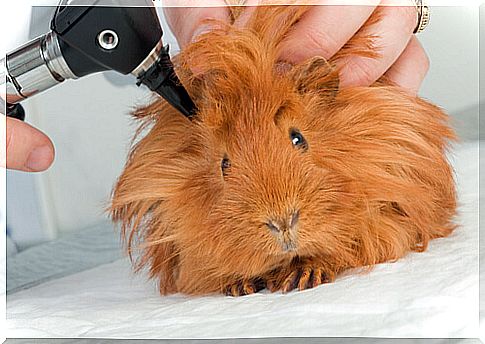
x=301, y=278
x=291, y=281
x=245, y=287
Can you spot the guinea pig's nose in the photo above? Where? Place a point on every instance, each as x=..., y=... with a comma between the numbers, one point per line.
x=284, y=223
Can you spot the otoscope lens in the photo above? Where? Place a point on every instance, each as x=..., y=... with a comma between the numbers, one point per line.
x=108, y=39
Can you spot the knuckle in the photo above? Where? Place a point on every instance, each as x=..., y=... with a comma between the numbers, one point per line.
x=321, y=42
x=361, y=72
x=425, y=62
x=421, y=57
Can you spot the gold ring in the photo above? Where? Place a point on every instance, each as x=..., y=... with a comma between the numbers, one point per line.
x=423, y=16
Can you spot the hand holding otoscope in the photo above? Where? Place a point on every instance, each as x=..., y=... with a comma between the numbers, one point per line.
x=84, y=40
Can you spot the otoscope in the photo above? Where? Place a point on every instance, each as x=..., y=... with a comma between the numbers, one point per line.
x=87, y=39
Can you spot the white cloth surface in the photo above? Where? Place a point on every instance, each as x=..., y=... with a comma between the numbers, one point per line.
x=69, y=254
x=430, y=294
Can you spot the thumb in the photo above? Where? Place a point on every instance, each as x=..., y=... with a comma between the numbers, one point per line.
x=187, y=23
x=26, y=148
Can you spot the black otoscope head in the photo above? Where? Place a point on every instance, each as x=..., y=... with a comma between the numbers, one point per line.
x=161, y=78
x=125, y=39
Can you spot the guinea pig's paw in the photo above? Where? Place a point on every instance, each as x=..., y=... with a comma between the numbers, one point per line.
x=301, y=275
x=245, y=287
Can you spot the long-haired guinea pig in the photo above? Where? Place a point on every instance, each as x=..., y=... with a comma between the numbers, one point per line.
x=282, y=180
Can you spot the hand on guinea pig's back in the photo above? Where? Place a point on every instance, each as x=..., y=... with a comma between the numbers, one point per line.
x=323, y=31
x=282, y=180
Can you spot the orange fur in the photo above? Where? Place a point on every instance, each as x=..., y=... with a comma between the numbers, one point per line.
x=372, y=185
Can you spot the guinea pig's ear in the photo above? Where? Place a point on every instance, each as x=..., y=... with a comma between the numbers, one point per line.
x=316, y=75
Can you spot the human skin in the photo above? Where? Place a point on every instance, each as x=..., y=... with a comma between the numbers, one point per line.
x=402, y=58
x=26, y=148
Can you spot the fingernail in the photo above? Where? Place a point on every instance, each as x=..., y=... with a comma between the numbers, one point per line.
x=39, y=159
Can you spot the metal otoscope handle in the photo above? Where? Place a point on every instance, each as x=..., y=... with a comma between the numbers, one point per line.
x=30, y=69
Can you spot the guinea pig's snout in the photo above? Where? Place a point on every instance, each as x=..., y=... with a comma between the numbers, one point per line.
x=284, y=228
x=284, y=223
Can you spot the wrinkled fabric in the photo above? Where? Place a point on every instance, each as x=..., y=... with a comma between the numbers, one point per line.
x=71, y=253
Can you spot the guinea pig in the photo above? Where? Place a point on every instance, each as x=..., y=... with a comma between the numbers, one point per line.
x=282, y=180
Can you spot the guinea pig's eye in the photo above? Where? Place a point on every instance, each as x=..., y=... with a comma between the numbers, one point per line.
x=225, y=165
x=297, y=139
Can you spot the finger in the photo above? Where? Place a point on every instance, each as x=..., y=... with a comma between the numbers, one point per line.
x=392, y=33
x=187, y=23
x=324, y=30
x=249, y=7
x=27, y=148
x=410, y=68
